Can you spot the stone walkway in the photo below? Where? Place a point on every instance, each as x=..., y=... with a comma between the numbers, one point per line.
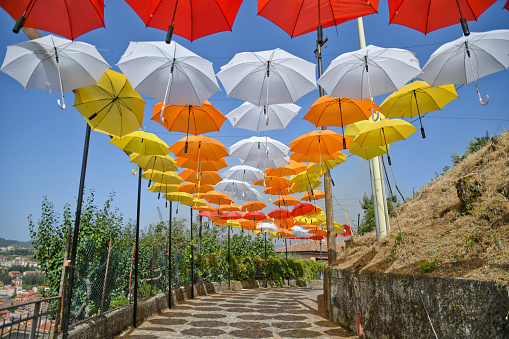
x=258, y=313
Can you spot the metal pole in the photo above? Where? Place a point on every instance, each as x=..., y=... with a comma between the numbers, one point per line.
x=65, y=324
x=136, y=251
x=169, y=254
x=266, y=263
x=229, y=269
x=379, y=202
x=192, y=257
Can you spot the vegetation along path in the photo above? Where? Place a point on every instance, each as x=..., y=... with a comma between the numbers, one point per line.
x=261, y=313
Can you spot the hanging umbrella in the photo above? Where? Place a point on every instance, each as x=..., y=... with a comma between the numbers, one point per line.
x=417, y=98
x=190, y=187
x=216, y=197
x=426, y=15
x=306, y=186
x=203, y=165
x=259, y=149
x=280, y=213
x=233, y=186
x=278, y=191
x=194, y=119
x=506, y=6
x=321, y=167
x=207, y=213
x=286, y=201
x=467, y=59
x=191, y=19
x=323, y=142
x=316, y=158
x=293, y=168
x=54, y=64
x=255, y=216
x=332, y=111
x=384, y=132
x=267, y=227
x=206, y=208
x=229, y=208
x=66, y=18
x=161, y=163
x=305, y=208
x=263, y=118
x=273, y=163
x=170, y=73
x=249, y=225
x=163, y=188
x=247, y=195
x=167, y=178
x=205, y=177
x=253, y=206
x=301, y=17
x=366, y=152
x=274, y=182
x=369, y=72
x=243, y=173
x=199, y=148
x=268, y=77
x=313, y=195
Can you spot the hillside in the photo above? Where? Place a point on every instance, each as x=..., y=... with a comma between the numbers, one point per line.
x=6, y=242
x=442, y=236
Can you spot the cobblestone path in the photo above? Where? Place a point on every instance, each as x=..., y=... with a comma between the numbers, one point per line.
x=260, y=313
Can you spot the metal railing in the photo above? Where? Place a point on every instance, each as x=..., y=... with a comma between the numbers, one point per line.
x=36, y=319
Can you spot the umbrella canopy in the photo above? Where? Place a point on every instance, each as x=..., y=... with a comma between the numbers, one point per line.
x=315, y=158
x=313, y=195
x=304, y=208
x=286, y=201
x=262, y=118
x=303, y=186
x=180, y=197
x=142, y=143
x=285, y=223
x=367, y=152
x=202, y=165
x=267, y=227
x=268, y=77
x=321, y=167
x=291, y=169
x=303, y=16
x=426, y=16
x=191, y=19
x=54, y=64
x=275, y=182
x=247, y=195
x=243, y=173
x=167, y=178
x=194, y=202
x=198, y=148
x=249, y=225
x=207, y=213
x=162, y=163
x=273, y=163
x=253, y=206
x=259, y=149
x=66, y=18
x=206, y=178
x=229, y=208
x=190, y=187
x=304, y=177
x=194, y=119
x=323, y=142
x=280, y=213
x=255, y=216
x=207, y=208
x=278, y=191
x=216, y=197
x=417, y=98
x=170, y=73
x=468, y=58
x=232, y=186
x=112, y=106
x=163, y=188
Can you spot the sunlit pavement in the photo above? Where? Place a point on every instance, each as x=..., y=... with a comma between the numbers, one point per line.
x=260, y=313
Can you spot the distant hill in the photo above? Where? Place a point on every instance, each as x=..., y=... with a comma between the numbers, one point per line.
x=6, y=242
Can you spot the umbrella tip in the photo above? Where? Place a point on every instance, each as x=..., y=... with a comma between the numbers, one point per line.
x=19, y=24
x=169, y=34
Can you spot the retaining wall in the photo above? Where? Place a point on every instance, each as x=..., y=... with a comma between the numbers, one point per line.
x=390, y=305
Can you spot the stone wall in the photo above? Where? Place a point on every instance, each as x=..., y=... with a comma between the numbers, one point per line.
x=390, y=305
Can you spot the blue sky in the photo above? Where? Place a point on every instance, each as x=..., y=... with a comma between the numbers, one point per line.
x=42, y=145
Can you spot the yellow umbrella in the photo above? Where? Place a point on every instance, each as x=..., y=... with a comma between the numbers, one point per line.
x=384, y=132
x=163, y=163
x=141, y=142
x=338, y=228
x=111, y=106
x=417, y=98
x=304, y=177
x=163, y=188
x=167, y=178
x=321, y=167
x=312, y=219
x=303, y=187
x=366, y=152
x=232, y=223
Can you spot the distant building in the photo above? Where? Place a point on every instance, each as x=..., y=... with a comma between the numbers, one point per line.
x=14, y=274
x=7, y=290
x=1, y=284
x=31, y=272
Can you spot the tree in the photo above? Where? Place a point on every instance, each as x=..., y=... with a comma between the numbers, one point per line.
x=368, y=220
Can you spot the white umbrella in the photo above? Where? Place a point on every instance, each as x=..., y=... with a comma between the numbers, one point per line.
x=248, y=195
x=268, y=226
x=244, y=173
x=369, y=72
x=259, y=149
x=260, y=118
x=169, y=73
x=232, y=186
x=268, y=77
x=274, y=163
x=299, y=231
x=467, y=59
x=54, y=64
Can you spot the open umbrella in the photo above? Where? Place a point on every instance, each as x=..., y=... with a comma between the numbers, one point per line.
x=323, y=142
x=233, y=186
x=162, y=163
x=417, y=98
x=305, y=208
x=274, y=182
x=365, y=152
x=315, y=157
x=203, y=165
x=253, y=206
x=170, y=73
x=229, y=208
x=313, y=195
x=190, y=187
x=286, y=201
x=167, y=178
x=278, y=191
x=321, y=167
x=54, y=64
x=198, y=148
x=291, y=169
x=205, y=177
x=384, y=132
x=243, y=173
x=305, y=186
x=272, y=163
x=259, y=149
x=190, y=19
x=63, y=17
x=247, y=195
x=467, y=59
x=263, y=118
x=216, y=197
x=163, y=188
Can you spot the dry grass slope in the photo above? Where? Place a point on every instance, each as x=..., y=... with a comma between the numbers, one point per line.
x=441, y=237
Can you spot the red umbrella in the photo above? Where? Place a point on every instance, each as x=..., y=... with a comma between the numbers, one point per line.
x=207, y=214
x=255, y=216
x=506, y=6
x=69, y=19
x=347, y=232
x=302, y=209
x=231, y=216
x=426, y=15
x=280, y=213
x=191, y=19
x=297, y=17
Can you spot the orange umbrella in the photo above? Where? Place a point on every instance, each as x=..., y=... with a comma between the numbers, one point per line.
x=286, y=201
x=323, y=142
x=187, y=119
x=293, y=168
x=278, y=191
x=205, y=208
x=218, y=221
x=207, y=214
x=274, y=182
x=202, y=165
x=253, y=206
x=332, y=111
x=229, y=208
x=285, y=223
x=206, y=178
x=191, y=187
x=313, y=195
x=249, y=225
x=199, y=148
x=216, y=197
x=315, y=158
